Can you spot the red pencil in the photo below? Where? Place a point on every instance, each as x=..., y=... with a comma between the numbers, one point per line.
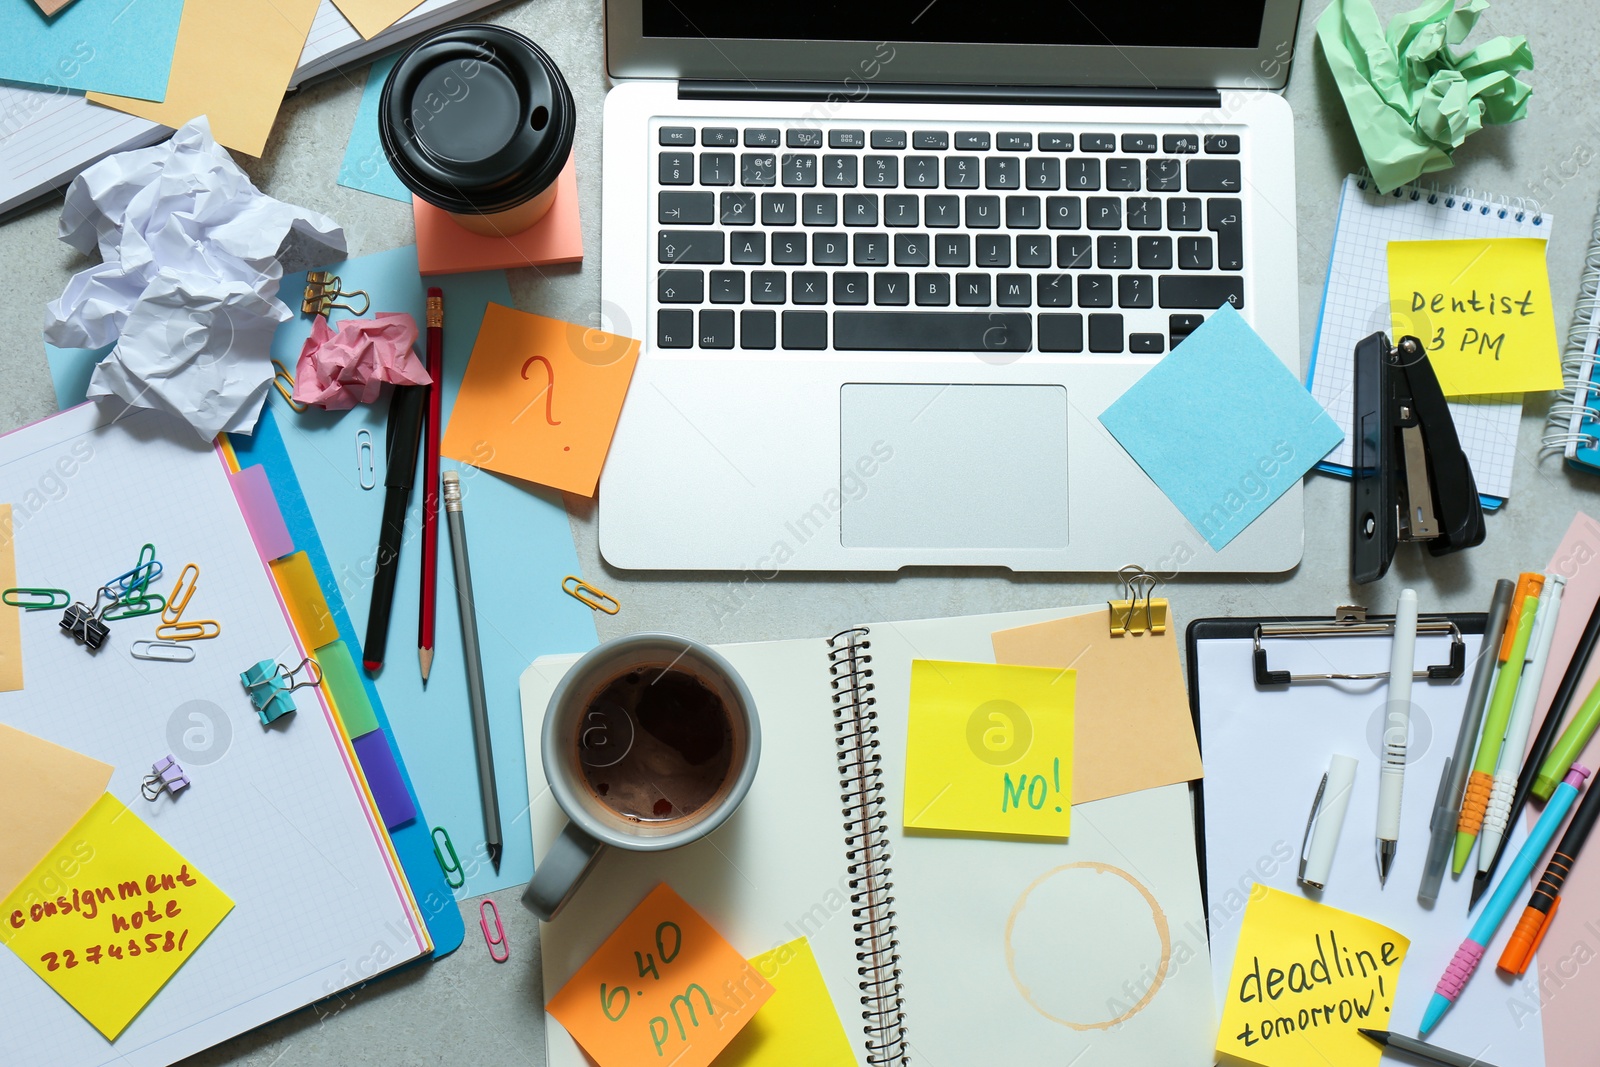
x=430, y=481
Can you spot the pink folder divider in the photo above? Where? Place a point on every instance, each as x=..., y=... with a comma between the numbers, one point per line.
x=260, y=506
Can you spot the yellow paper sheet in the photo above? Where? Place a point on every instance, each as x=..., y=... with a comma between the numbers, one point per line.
x=51, y=789
x=1305, y=977
x=372, y=17
x=989, y=749
x=665, y=987
x=109, y=915
x=1481, y=309
x=10, y=618
x=232, y=64
x=540, y=399
x=799, y=1026
x=1132, y=727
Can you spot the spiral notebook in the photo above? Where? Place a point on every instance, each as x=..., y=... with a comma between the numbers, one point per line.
x=1355, y=303
x=935, y=949
x=1573, y=428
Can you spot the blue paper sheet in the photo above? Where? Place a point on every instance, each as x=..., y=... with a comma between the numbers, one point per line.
x=1222, y=427
x=108, y=46
x=365, y=167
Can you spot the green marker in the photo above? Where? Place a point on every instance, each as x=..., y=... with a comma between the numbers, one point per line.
x=1494, y=729
x=1573, y=740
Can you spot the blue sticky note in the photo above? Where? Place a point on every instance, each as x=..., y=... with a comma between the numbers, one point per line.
x=107, y=46
x=1222, y=427
x=365, y=167
x=70, y=371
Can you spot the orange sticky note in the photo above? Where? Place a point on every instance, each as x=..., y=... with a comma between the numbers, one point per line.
x=540, y=399
x=663, y=988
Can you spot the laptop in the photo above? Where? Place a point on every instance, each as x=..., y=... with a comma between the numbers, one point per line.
x=890, y=261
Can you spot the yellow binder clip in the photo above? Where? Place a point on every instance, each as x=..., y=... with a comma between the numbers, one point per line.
x=597, y=599
x=322, y=293
x=1139, y=612
x=283, y=381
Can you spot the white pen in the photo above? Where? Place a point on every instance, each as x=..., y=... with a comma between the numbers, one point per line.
x=1521, y=722
x=1397, y=725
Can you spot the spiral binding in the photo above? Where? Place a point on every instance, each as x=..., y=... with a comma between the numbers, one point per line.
x=1565, y=429
x=1462, y=198
x=855, y=726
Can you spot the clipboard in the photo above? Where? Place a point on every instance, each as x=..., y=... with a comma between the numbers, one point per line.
x=1266, y=744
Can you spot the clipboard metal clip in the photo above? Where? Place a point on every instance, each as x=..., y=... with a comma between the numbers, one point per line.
x=1410, y=479
x=1138, y=612
x=1350, y=620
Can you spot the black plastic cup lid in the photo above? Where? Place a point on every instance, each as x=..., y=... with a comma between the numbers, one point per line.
x=476, y=119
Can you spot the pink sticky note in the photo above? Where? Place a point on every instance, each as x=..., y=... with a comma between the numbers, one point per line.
x=261, y=514
x=445, y=248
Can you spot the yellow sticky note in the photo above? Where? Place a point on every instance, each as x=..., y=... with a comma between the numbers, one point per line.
x=663, y=988
x=109, y=915
x=1482, y=311
x=62, y=785
x=10, y=617
x=989, y=749
x=1305, y=977
x=540, y=399
x=799, y=1026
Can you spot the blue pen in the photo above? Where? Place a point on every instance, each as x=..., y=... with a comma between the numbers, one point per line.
x=1471, y=950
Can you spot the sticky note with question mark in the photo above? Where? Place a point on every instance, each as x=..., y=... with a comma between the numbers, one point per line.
x=540, y=399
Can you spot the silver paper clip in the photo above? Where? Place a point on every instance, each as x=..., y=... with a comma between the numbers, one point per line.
x=496, y=939
x=162, y=651
x=165, y=777
x=366, y=464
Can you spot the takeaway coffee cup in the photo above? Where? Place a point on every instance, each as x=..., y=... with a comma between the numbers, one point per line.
x=650, y=742
x=478, y=121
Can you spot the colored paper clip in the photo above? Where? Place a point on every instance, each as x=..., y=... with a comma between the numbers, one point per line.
x=1139, y=612
x=454, y=877
x=165, y=777
x=497, y=939
x=131, y=607
x=35, y=599
x=135, y=581
x=366, y=462
x=82, y=621
x=179, y=599
x=269, y=685
x=197, y=630
x=582, y=591
x=283, y=382
x=162, y=652
x=322, y=292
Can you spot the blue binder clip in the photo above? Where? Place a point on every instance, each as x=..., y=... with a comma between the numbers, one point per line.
x=269, y=685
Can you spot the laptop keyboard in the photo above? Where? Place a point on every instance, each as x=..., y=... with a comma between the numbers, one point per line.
x=889, y=239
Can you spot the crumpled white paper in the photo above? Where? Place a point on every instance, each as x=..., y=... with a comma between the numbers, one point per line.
x=188, y=282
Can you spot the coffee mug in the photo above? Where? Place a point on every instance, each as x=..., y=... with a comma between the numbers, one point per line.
x=650, y=742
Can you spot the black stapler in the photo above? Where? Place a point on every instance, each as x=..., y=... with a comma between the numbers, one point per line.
x=1410, y=479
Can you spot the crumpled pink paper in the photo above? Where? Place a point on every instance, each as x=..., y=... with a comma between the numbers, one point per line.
x=343, y=368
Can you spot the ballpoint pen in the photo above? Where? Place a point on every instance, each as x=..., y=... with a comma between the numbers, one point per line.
x=1422, y=1050
x=430, y=483
x=405, y=427
x=1572, y=742
x=1495, y=818
x=1397, y=725
x=1481, y=781
x=1471, y=951
x=1453, y=779
x=1541, y=909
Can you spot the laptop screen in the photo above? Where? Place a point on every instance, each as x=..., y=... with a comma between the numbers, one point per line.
x=1120, y=24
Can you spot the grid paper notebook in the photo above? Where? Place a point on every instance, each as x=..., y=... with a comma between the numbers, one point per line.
x=1356, y=303
x=276, y=817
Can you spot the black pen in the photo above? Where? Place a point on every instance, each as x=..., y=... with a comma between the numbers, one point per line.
x=406, y=408
x=477, y=699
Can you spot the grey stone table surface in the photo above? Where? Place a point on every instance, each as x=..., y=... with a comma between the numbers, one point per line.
x=467, y=1009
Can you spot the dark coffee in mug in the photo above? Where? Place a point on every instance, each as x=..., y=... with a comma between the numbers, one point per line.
x=656, y=744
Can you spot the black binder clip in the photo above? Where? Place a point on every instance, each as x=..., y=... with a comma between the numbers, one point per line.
x=1410, y=480
x=83, y=623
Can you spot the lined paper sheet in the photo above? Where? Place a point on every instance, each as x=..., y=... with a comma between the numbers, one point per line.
x=274, y=816
x=1356, y=303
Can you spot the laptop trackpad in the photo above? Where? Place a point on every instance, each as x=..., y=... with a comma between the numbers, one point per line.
x=953, y=466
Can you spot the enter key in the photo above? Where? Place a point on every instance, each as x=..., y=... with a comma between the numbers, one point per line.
x=1222, y=218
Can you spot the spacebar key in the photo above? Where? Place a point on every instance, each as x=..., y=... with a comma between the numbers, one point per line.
x=1206, y=292
x=931, y=331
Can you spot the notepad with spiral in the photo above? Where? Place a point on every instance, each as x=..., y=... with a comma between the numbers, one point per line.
x=1573, y=424
x=935, y=948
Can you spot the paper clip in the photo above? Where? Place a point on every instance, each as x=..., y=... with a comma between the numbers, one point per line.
x=179, y=599
x=283, y=381
x=35, y=599
x=366, y=465
x=82, y=621
x=322, y=292
x=197, y=630
x=497, y=939
x=162, y=652
x=582, y=591
x=454, y=877
x=1139, y=612
x=165, y=777
x=269, y=685
x=131, y=607
x=135, y=581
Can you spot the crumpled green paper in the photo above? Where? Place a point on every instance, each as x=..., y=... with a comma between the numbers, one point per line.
x=1411, y=98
